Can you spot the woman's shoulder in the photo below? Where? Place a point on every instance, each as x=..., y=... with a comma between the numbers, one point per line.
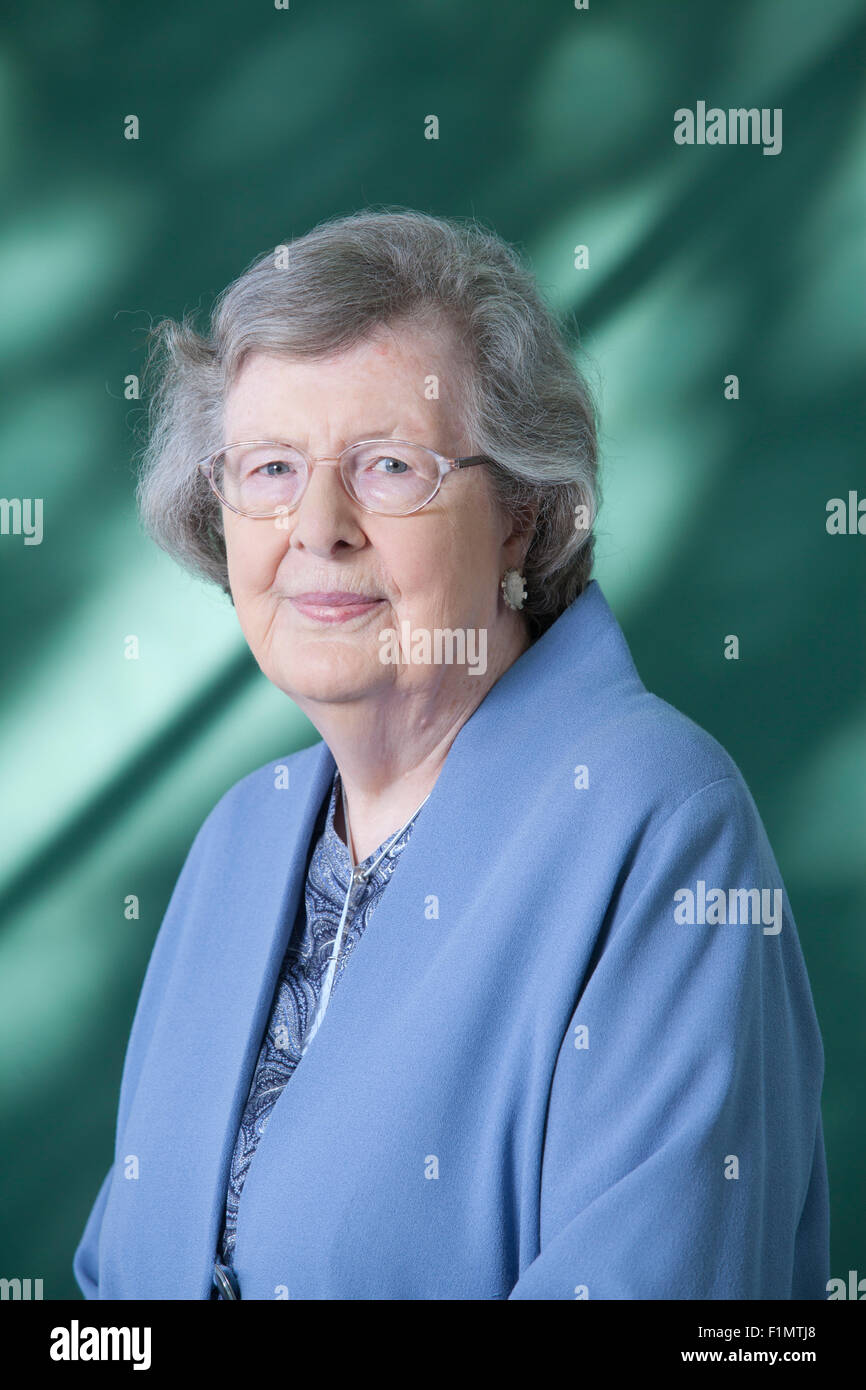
x=286, y=773
x=665, y=736
x=633, y=751
x=269, y=795
x=651, y=757
x=255, y=827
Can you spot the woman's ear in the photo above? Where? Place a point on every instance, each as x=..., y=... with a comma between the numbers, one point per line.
x=523, y=523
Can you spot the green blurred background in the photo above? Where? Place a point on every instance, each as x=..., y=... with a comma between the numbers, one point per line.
x=556, y=128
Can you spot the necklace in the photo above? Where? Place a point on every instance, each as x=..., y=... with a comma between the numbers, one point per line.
x=358, y=875
x=361, y=875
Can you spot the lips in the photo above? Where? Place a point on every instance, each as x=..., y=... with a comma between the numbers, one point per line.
x=334, y=606
x=334, y=598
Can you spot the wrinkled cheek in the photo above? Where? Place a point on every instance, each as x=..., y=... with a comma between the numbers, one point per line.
x=254, y=600
x=251, y=573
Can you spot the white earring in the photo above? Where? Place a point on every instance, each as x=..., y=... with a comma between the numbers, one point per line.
x=513, y=587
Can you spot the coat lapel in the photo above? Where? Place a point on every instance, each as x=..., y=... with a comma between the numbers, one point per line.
x=173, y=1156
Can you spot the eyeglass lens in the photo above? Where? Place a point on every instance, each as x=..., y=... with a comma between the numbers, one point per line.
x=260, y=479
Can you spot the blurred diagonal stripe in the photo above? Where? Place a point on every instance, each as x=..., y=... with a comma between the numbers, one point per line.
x=131, y=782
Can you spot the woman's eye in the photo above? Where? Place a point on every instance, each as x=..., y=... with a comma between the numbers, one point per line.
x=389, y=460
x=275, y=463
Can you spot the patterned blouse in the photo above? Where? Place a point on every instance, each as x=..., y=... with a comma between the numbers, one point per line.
x=300, y=980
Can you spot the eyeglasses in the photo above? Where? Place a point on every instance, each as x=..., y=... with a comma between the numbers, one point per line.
x=264, y=478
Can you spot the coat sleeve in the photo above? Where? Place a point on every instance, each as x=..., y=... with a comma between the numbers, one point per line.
x=683, y=1153
x=85, y=1263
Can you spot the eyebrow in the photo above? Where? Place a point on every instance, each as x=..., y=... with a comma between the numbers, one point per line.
x=372, y=433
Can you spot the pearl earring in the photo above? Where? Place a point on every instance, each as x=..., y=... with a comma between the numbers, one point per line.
x=513, y=587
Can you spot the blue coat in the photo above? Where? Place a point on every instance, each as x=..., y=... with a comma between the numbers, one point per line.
x=555, y=1067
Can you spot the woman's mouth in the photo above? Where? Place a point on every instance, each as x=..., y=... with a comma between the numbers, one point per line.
x=334, y=606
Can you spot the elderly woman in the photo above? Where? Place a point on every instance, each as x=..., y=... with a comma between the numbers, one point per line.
x=495, y=992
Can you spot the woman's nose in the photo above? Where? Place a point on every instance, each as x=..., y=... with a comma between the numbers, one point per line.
x=325, y=512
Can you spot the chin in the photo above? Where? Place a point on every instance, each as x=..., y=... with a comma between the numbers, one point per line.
x=319, y=672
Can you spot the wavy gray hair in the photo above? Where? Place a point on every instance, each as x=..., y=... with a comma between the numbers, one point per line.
x=524, y=403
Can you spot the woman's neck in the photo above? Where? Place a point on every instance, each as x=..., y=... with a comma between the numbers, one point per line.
x=390, y=752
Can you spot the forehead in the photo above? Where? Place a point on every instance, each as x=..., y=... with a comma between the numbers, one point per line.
x=408, y=373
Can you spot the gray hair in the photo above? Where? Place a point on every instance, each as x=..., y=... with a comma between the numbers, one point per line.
x=524, y=402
